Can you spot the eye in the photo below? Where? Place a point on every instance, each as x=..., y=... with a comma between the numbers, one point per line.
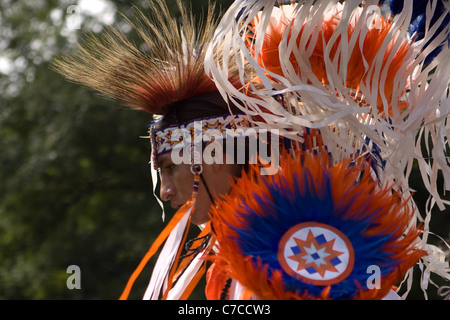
x=167, y=168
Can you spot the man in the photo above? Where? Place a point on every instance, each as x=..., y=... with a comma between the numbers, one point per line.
x=168, y=80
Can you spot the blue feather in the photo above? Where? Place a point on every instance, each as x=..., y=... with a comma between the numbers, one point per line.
x=418, y=18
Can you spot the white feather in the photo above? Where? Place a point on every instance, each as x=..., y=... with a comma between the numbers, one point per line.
x=331, y=107
x=166, y=259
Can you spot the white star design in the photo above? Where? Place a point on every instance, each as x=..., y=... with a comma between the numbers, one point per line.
x=321, y=253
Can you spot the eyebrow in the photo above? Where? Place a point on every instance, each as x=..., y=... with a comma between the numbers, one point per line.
x=162, y=161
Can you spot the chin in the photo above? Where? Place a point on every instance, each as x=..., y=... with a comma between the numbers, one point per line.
x=199, y=218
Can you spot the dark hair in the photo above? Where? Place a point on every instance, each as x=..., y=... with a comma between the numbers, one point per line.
x=202, y=106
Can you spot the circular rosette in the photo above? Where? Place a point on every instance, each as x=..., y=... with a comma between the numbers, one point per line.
x=316, y=253
x=315, y=231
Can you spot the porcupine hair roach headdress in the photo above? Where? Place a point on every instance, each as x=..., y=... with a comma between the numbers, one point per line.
x=371, y=76
x=169, y=69
x=164, y=76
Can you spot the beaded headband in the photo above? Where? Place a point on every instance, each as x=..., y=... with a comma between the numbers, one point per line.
x=190, y=135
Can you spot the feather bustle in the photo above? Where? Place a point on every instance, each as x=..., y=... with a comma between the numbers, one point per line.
x=263, y=208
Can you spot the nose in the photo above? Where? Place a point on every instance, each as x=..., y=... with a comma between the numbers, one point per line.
x=166, y=190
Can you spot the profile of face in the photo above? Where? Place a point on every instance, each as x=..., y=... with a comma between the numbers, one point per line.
x=177, y=184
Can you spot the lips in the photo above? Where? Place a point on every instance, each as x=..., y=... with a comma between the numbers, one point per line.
x=176, y=206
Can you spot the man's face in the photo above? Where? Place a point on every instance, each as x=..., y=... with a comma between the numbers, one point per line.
x=177, y=184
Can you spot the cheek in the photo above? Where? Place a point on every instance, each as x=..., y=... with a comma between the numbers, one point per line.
x=184, y=182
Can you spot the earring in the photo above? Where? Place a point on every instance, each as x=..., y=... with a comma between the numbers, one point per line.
x=196, y=170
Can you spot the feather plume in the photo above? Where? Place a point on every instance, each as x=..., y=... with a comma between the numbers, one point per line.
x=169, y=69
x=344, y=68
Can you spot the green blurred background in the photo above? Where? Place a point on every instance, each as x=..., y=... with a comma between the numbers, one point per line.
x=75, y=186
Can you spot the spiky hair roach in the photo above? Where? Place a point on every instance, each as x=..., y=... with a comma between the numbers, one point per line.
x=169, y=68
